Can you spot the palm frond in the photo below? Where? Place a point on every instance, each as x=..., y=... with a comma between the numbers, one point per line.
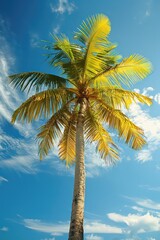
x=127, y=72
x=37, y=81
x=93, y=34
x=118, y=98
x=92, y=28
x=65, y=55
x=95, y=132
x=68, y=141
x=127, y=130
x=42, y=104
x=52, y=130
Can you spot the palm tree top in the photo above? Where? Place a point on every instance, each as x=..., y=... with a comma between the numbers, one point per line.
x=94, y=75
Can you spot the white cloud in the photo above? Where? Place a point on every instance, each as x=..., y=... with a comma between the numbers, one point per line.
x=137, y=223
x=24, y=164
x=151, y=188
x=93, y=237
x=144, y=155
x=54, y=229
x=147, y=90
x=56, y=29
x=22, y=159
x=90, y=227
x=4, y=229
x=148, y=10
x=151, y=127
x=93, y=161
x=62, y=7
x=144, y=12
x=23, y=156
x=34, y=40
x=8, y=96
x=48, y=238
x=98, y=227
x=2, y=179
x=157, y=98
x=148, y=203
x=138, y=209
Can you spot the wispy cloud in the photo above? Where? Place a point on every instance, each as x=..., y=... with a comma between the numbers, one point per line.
x=148, y=203
x=4, y=229
x=8, y=96
x=93, y=237
x=9, y=101
x=148, y=9
x=138, y=209
x=48, y=238
x=137, y=223
x=18, y=154
x=91, y=227
x=56, y=29
x=2, y=179
x=151, y=188
x=40, y=226
x=99, y=227
x=62, y=7
x=151, y=127
x=144, y=219
x=34, y=40
x=144, y=11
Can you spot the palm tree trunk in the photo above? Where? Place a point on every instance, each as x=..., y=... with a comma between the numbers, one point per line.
x=77, y=215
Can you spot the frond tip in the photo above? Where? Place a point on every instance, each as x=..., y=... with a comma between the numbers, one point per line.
x=51, y=131
x=67, y=143
x=131, y=133
x=95, y=132
x=36, y=80
x=127, y=72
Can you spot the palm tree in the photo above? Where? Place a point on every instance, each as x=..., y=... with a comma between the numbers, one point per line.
x=85, y=103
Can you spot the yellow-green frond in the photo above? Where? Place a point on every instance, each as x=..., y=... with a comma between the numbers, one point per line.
x=95, y=27
x=51, y=131
x=93, y=34
x=95, y=132
x=118, y=98
x=127, y=72
x=41, y=104
x=132, y=134
x=68, y=141
x=67, y=56
x=37, y=81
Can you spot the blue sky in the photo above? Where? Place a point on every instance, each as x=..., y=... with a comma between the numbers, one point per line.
x=122, y=202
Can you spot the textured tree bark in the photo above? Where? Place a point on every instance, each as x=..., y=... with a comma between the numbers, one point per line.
x=77, y=215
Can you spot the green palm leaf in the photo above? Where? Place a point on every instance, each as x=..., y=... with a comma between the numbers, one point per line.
x=42, y=104
x=132, y=134
x=117, y=98
x=127, y=72
x=37, y=81
x=66, y=55
x=52, y=130
x=95, y=132
x=93, y=34
x=68, y=141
